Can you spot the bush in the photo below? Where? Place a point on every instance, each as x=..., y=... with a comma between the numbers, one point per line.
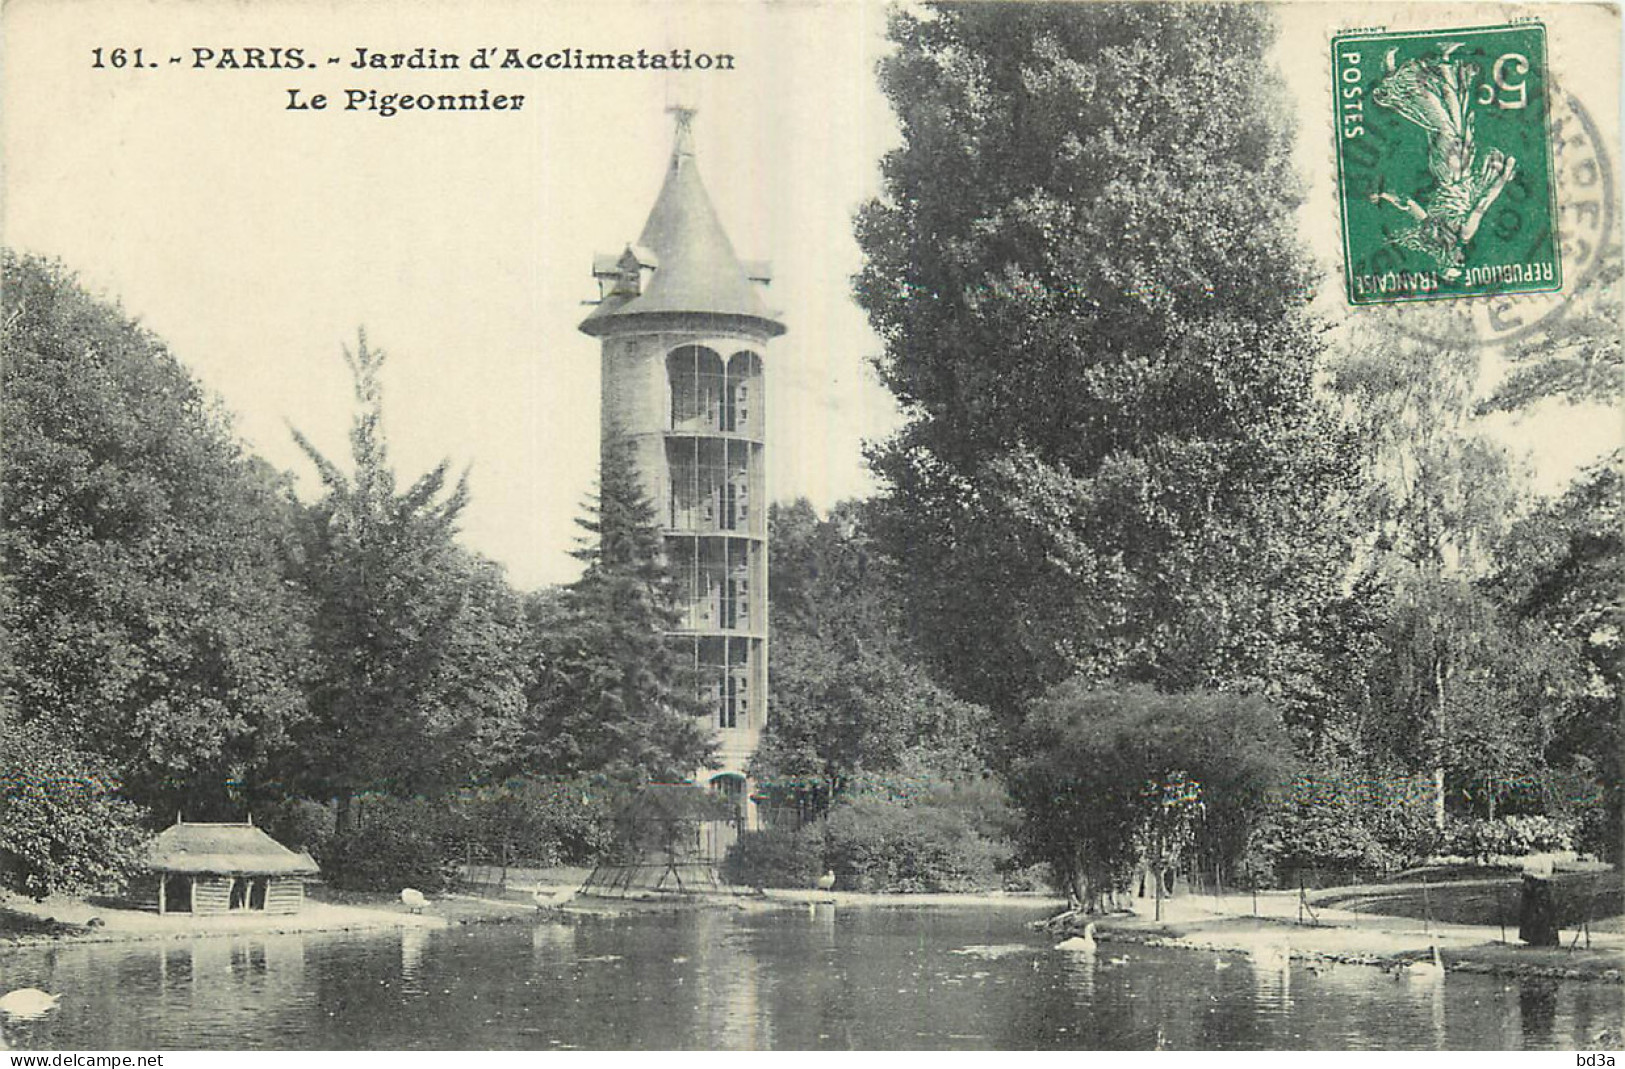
x=548, y=820
x=897, y=833
x=776, y=857
x=1513, y=836
x=886, y=844
x=1331, y=822
x=301, y=824
x=63, y=826
x=394, y=843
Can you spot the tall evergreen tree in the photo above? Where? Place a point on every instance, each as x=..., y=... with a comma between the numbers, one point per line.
x=615, y=697
x=1085, y=273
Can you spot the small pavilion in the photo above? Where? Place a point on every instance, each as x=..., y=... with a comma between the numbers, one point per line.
x=222, y=868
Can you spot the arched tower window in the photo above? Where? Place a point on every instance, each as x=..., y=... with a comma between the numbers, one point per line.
x=742, y=393
x=698, y=389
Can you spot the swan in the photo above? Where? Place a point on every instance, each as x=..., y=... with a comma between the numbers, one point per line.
x=413, y=899
x=28, y=1002
x=1085, y=942
x=1426, y=970
x=545, y=899
x=826, y=882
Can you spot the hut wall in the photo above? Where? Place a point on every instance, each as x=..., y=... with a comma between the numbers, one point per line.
x=286, y=894
x=144, y=893
x=211, y=894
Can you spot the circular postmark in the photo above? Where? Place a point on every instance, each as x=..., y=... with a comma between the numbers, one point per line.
x=1585, y=231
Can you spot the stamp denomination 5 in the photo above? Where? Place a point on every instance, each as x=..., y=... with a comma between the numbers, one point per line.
x=1444, y=163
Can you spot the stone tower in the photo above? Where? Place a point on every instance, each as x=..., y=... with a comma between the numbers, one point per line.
x=684, y=331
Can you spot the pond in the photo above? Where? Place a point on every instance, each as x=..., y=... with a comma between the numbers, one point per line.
x=818, y=977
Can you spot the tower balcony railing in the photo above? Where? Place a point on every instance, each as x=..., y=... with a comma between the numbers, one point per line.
x=712, y=425
x=715, y=520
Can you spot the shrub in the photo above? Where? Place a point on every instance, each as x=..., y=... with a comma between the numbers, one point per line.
x=393, y=843
x=887, y=844
x=1513, y=836
x=776, y=857
x=63, y=825
x=1341, y=823
x=549, y=820
x=301, y=824
x=894, y=833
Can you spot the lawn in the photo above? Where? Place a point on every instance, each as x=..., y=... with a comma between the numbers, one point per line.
x=1484, y=896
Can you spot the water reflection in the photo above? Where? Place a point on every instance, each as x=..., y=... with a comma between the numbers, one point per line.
x=413, y=942
x=1078, y=969
x=1272, y=985
x=551, y=942
x=1537, y=1008
x=829, y=978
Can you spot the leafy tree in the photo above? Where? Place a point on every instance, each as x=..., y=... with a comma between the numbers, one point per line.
x=1097, y=766
x=612, y=696
x=849, y=695
x=148, y=621
x=1561, y=570
x=1434, y=500
x=1576, y=359
x=64, y=828
x=1085, y=272
x=417, y=644
x=1345, y=822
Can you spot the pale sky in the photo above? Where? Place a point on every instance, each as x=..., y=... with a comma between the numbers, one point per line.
x=255, y=240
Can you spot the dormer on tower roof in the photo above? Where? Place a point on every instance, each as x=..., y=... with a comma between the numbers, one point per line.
x=685, y=264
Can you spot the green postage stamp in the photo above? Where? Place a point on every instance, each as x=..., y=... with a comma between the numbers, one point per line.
x=1444, y=163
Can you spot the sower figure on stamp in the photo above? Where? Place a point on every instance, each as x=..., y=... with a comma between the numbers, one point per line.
x=1436, y=94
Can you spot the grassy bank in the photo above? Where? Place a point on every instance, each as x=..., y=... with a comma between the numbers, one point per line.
x=1459, y=909
x=1488, y=897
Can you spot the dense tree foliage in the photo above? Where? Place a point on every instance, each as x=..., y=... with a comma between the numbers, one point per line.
x=147, y=620
x=1085, y=275
x=1561, y=570
x=1100, y=768
x=417, y=645
x=849, y=695
x=64, y=826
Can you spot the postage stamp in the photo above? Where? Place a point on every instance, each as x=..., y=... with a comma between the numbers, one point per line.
x=1444, y=163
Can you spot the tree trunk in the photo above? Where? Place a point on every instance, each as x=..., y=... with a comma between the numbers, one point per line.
x=1440, y=678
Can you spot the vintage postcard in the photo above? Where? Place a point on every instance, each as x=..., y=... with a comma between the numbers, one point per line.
x=835, y=525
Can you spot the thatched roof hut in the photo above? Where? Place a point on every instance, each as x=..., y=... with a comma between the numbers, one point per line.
x=220, y=868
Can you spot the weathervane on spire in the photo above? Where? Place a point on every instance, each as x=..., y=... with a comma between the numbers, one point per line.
x=683, y=144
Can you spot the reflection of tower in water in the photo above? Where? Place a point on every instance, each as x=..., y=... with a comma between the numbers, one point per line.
x=1537, y=1008
x=727, y=977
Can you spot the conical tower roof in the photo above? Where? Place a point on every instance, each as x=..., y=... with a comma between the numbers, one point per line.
x=694, y=269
